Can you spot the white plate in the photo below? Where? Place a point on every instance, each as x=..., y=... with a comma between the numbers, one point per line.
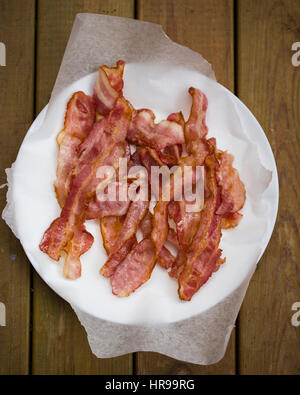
x=164, y=90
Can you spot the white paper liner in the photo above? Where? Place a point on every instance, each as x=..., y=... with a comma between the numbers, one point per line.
x=197, y=331
x=201, y=339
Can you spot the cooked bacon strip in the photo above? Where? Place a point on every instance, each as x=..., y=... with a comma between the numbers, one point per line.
x=178, y=265
x=160, y=229
x=126, y=237
x=172, y=238
x=146, y=225
x=143, y=131
x=233, y=191
x=148, y=162
x=177, y=117
x=108, y=269
x=195, y=127
x=158, y=157
x=159, y=233
x=115, y=75
x=108, y=88
x=170, y=154
x=78, y=245
x=203, y=254
x=79, y=120
x=98, y=209
x=119, y=120
x=165, y=258
x=85, y=181
x=204, y=265
x=186, y=222
x=135, y=269
x=73, y=212
x=231, y=220
x=110, y=228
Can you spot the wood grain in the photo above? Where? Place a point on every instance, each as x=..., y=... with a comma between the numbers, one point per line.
x=59, y=342
x=205, y=26
x=270, y=85
x=16, y=114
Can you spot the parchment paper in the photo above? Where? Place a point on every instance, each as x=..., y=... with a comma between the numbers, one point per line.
x=196, y=331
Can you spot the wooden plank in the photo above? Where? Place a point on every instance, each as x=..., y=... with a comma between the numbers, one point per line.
x=59, y=342
x=269, y=85
x=205, y=26
x=17, y=21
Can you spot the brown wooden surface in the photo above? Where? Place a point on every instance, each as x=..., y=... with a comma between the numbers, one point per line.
x=247, y=41
x=206, y=27
x=60, y=344
x=16, y=115
x=270, y=85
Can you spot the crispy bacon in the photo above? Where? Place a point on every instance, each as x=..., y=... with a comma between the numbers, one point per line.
x=177, y=117
x=135, y=269
x=143, y=131
x=115, y=75
x=115, y=258
x=85, y=181
x=98, y=208
x=126, y=237
x=203, y=253
x=172, y=238
x=159, y=233
x=108, y=88
x=79, y=120
x=80, y=243
x=160, y=229
x=233, y=191
x=110, y=228
x=231, y=220
x=178, y=265
x=170, y=154
x=195, y=127
x=165, y=258
x=186, y=222
x=146, y=225
x=148, y=162
x=203, y=267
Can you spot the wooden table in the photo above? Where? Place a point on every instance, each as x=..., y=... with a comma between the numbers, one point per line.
x=249, y=45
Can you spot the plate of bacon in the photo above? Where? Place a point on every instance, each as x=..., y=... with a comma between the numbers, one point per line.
x=148, y=258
